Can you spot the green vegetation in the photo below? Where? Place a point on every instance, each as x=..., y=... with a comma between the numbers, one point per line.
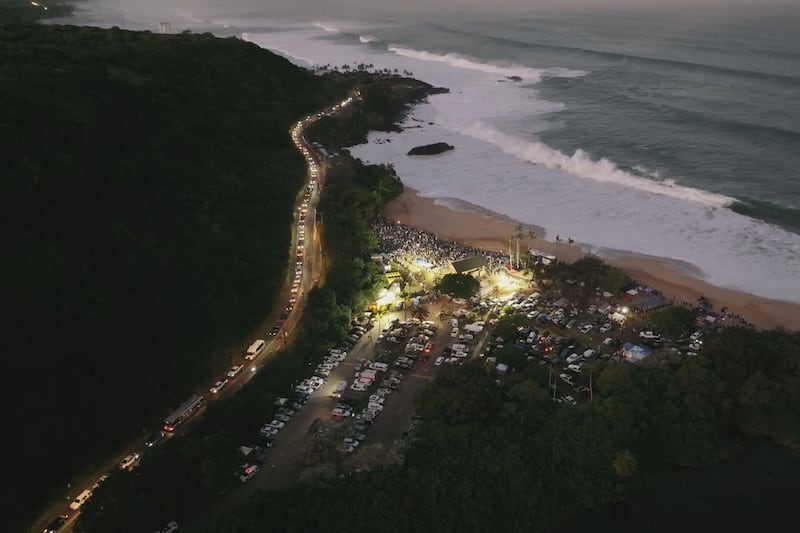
x=459, y=285
x=500, y=455
x=147, y=192
x=148, y=188
x=580, y=279
x=672, y=320
x=200, y=465
x=147, y=195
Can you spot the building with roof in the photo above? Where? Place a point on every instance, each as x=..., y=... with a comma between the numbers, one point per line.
x=650, y=302
x=475, y=265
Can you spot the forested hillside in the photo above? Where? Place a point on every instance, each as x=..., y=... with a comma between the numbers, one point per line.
x=146, y=197
x=494, y=453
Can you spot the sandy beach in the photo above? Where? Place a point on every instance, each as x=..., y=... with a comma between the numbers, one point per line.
x=488, y=231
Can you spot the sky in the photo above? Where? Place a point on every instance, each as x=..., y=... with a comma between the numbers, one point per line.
x=411, y=6
x=366, y=8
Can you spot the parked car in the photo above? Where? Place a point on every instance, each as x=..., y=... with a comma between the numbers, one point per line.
x=155, y=437
x=80, y=499
x=56, y=523
x=218, y=386
x=169, y=528
x=248, y=471
x=129, y=461
x=235, y=371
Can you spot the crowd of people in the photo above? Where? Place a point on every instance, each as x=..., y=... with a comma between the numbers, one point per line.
x=397, y=240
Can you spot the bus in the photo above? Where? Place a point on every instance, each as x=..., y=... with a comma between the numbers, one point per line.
x=179, y=415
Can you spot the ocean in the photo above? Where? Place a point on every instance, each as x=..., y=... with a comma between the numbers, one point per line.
x=628, y=132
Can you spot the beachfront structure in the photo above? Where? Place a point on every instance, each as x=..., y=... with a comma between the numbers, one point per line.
x=475, y=265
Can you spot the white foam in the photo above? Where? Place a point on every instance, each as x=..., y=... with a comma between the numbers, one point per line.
x=327, y=27
x=582, y=165
x=368, y=39
x=530, y=75
x=500, y=164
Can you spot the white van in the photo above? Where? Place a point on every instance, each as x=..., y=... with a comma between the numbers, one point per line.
x=80, y=499
x=340, y=388
x=256, y=348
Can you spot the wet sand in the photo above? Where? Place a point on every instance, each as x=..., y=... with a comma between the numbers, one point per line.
x=482, y=229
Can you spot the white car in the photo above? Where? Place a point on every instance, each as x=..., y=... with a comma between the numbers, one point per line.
x=218, y=386
x=268, y=430
x=439, y=360
x=282, y=417
x=586, y=328
x=605, y=327
x=277, y=424
x=235, y=371
x=129, y=461
x=566, y=378
x=169, y=528
x=80, y=499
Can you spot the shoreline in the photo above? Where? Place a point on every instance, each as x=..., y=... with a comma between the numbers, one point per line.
x=482, y=229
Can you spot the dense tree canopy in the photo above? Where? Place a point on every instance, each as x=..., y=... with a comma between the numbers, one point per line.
x=146, y=199
x=459, y=285
x=501, y=449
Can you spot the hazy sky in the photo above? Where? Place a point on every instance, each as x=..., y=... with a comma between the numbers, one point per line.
x=349, y=8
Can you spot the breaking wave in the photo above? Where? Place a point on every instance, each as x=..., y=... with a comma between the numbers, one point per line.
x=582, y=165
x=526, y=73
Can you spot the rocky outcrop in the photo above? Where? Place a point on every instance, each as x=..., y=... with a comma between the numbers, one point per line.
x=431, y=149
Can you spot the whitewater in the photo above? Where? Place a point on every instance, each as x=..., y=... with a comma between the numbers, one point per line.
x=498, y=118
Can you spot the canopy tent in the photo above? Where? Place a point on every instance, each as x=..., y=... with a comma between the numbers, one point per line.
x=470, y=264
x=650, y=302
x=635, y=352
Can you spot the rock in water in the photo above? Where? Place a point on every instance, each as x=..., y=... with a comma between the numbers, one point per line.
x=431, y=149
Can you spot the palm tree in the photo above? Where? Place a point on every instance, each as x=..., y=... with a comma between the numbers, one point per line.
x=518, y=234
x=532, y=238
x=421, y=313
